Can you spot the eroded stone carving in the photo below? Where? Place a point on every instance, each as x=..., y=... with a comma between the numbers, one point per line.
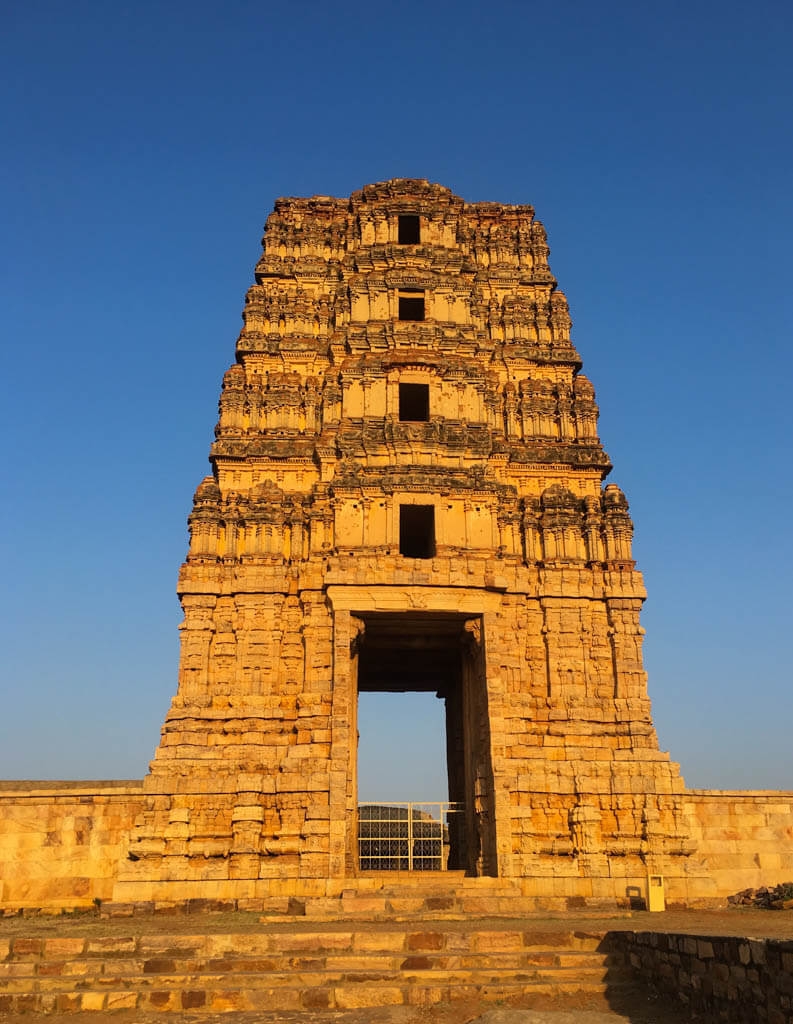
x=302, y=522
x=406, y=493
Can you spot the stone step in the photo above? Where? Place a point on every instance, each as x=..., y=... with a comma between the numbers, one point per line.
x=351, y=994
x=98, y=970
x=428, y=882
x=426, y=937
x=300, y=968
x=418, y=879
x=541, y=957
x=398, y=897
x=425, y=973
x=405, y=908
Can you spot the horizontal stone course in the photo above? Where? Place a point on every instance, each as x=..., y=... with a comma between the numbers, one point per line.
x=300, y=971
x=727, y=978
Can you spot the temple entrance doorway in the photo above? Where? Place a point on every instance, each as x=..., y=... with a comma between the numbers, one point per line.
x=439, y=655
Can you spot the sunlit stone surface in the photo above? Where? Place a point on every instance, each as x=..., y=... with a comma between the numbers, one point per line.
x=407, y=493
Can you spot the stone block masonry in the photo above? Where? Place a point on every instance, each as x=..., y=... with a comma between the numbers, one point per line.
x=725, y=978
x=408, y=493
x=61, y=843
x=301, y=971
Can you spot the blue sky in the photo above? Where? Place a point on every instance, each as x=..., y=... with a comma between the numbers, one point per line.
x=144, y=145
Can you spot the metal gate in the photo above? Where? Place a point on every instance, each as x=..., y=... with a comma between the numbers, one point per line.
x=404, y=836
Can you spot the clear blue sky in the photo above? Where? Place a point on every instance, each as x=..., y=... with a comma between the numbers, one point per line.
x=144, y=145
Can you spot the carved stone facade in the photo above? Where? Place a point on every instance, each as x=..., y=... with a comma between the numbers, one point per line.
x=407, y=494
x=407, y=472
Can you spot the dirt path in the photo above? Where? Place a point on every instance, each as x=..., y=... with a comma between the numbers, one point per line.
x=742, y=921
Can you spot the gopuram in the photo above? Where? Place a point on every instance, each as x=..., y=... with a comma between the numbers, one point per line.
x=407, y=494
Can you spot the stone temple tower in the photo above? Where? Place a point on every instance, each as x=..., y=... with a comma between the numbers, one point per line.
x=407, y=494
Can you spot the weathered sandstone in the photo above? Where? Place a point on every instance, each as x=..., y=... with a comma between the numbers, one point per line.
x=407, y=492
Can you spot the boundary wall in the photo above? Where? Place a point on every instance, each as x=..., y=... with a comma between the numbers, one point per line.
x=728, y=978
x=61, y=842
x=744, y=837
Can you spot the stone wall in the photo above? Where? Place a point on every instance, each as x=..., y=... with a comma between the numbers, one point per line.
x=60, y=842
x=729, y=978
x=745, y=839
x=63, y=844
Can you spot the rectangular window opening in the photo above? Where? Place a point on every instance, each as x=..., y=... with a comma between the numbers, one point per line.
x=409, y=229
x=411, y=305
x=417, y=531
x=414, y=402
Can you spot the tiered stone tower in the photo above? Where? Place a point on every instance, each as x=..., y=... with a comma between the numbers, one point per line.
x=407, y=493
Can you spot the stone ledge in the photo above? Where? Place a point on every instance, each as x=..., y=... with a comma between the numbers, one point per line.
x=64, y=787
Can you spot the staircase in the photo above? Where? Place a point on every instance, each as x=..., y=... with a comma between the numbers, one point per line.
x=441, y=896
x=301, y=965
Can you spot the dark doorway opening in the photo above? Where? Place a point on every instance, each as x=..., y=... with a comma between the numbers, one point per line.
x=414, y=402
x=411, y=305
x=409, y=231
x=430, y=653
x=417, y=531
